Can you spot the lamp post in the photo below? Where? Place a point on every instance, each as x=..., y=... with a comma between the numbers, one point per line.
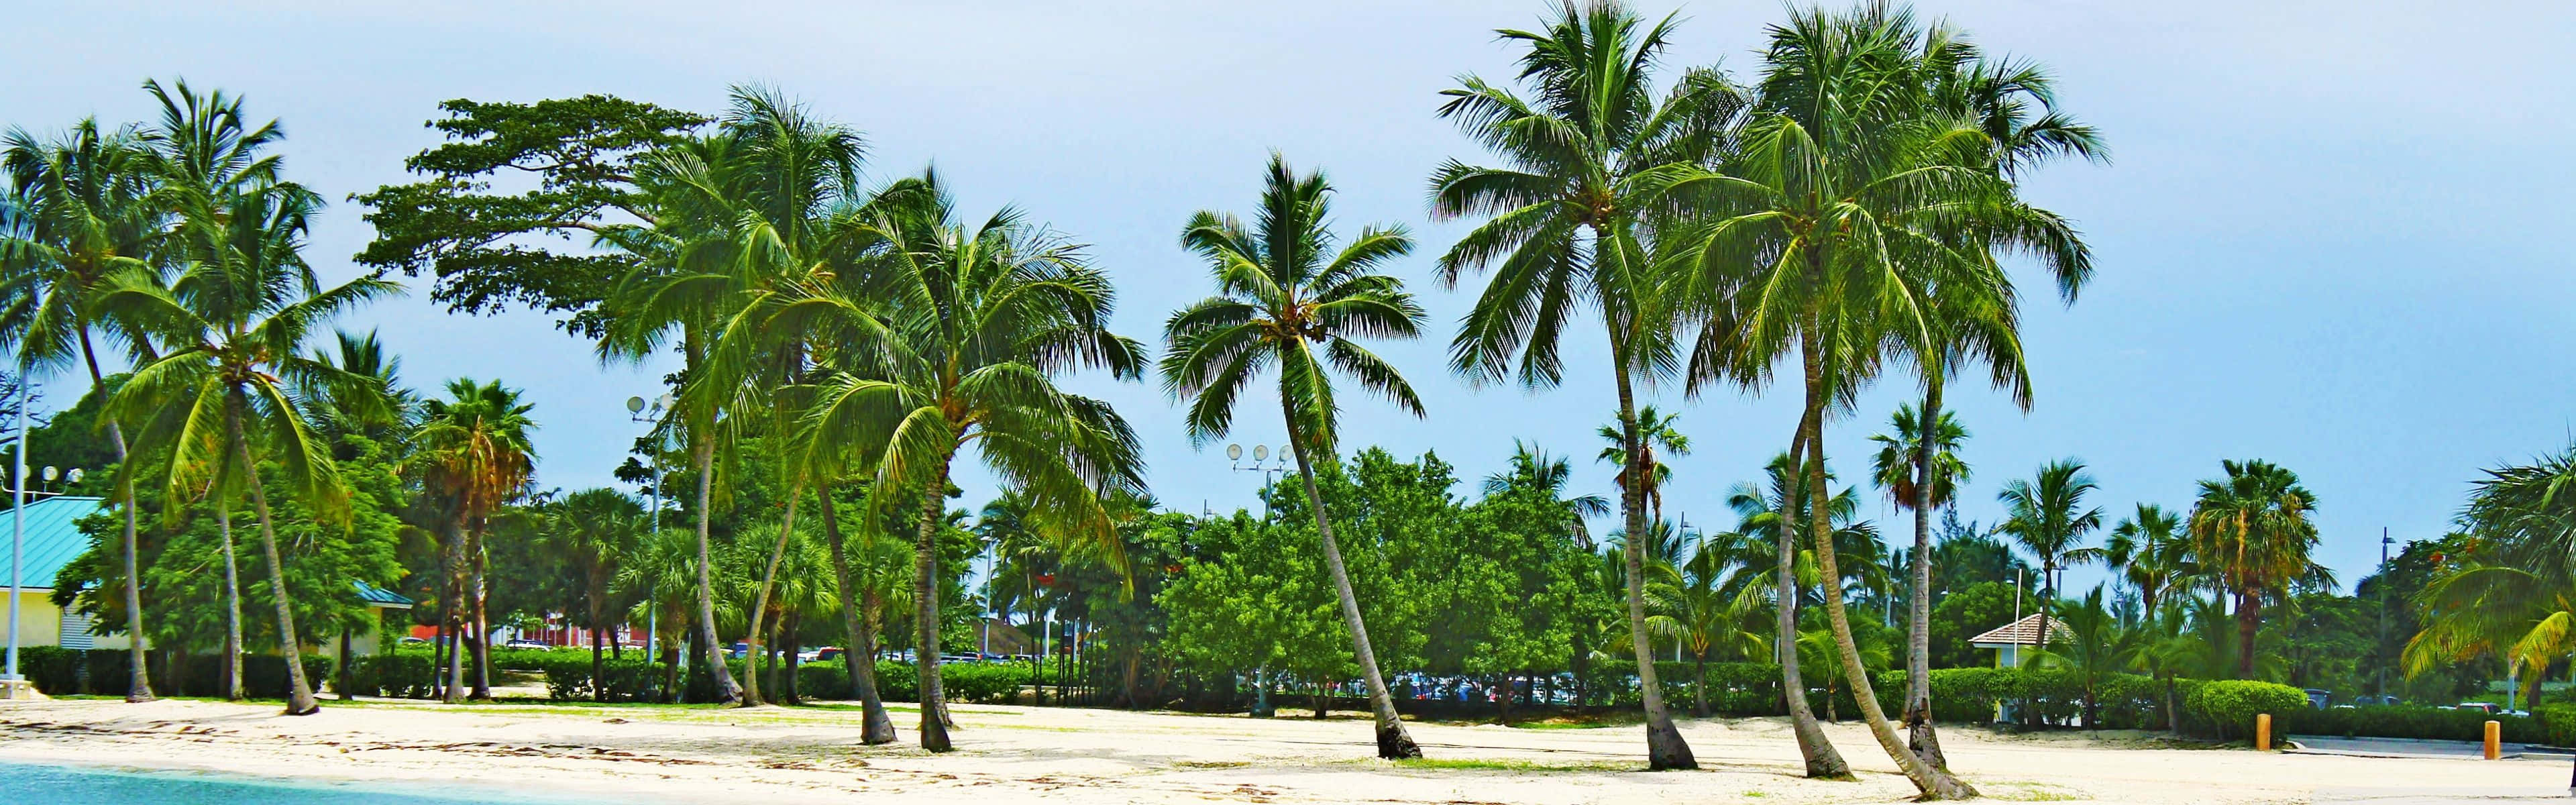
x=17, y=539
x=639, y=411
x=2382, y=669
x=1260, y=452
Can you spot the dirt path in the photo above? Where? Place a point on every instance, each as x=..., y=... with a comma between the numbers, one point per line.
x=1009, y=754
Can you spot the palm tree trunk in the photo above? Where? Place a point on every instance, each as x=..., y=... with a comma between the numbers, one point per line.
x=1393, y=743
x=1699, y=686
x=232, y=681
x=481, y=558
x=2249, y=620
x=769, y=577
x=726, y=691
x=861, y=654
x=342, y=666
x=452, y=613
x=598, y=681
x=925, y=600
x=1919, y=735
x=1665, y=748
x=138, y=687
x=1934, y=783
x=299, y=693
x=1824, y=762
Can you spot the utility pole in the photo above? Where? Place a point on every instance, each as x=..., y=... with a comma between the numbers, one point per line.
x=2382, y=670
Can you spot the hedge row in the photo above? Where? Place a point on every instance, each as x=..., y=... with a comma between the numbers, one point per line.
x=413, y=673
x=59, y=671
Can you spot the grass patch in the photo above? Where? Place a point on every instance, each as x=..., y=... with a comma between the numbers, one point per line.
x=1585, y=722
x=2036, y=793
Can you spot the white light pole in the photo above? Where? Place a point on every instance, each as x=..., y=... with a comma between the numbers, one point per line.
x=636, y=412
x=17, y=533
x=1260, y=453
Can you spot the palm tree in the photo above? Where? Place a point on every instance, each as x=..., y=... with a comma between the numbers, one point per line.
x=475, y=452
x=1841, y=204
x=2150, y=551
x=2096, y=647
x=221, y=399
x=956, y=340
x=1590, y=163
x=595, y=529
x=79, y=209
x=2047, y=516
x=1919, y=467
x=1534, y=469
x=1705, y=605
x=2509, y=596
x=1655, y=432
x=1971, y=322
x=854, y=592
x=1776, y=510
x=2251, y=530
x=1284, y=290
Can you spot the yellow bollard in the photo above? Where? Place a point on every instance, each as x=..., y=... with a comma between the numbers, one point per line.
x=2263, y=732
x=2495, y=729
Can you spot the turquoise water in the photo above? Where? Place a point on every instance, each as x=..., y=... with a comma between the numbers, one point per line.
x=26, y=784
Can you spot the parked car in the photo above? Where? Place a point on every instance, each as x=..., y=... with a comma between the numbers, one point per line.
x=412, y=641
x=828, y=653
x=531, y=645
x=2489, y=708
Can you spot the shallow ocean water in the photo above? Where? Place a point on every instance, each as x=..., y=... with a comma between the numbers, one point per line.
x=31, y=784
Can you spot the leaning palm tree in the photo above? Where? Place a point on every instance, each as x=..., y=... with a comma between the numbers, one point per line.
x=1775, y=510
x=2251, y=530
x=2509, y=597
x=474, y=451
x=77, y=209
x=1590, y=161
x=1842, y=201
x=1286, y=287
x=1659, y=437
x=2047, y=515
x=956, y=340
x=221, y=400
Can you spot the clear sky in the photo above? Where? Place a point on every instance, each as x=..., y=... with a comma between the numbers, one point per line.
x=2330, y=236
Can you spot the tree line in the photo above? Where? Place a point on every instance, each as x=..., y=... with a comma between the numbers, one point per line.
x=1848, y=208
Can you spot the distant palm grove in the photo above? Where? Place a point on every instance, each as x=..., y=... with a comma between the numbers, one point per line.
x=1848, y=211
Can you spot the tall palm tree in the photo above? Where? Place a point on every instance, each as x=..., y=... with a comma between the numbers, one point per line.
x=2251, y=529
x=956, y=340
x=1590, y=161
x=1918, y=465
x=2047, y=516
x=1284, y=290
x=77, y=210
x=855, y=591
x=1972, y=322
x=1842, y=201
x=221, y=398
x=783, y=196
x=1658, y=436
x=475, y=451
x=1776, y=510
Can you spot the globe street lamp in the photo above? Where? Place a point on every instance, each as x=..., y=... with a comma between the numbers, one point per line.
x=642, y=412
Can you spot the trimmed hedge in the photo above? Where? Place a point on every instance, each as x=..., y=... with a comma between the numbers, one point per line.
x=2554, y=725
x=58, y=671
x=2229, y=705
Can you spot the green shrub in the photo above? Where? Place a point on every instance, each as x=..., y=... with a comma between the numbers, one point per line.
x=54, y=670
x=2229, y=705
x=2417, y=721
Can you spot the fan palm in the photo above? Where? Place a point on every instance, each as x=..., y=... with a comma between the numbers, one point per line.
x=2251, y=530
x=474, y=450
x=956, y=340
x=1658, y=437
x=1590, y=162
x=221, y=397
x=595, y=529
x=77, y=210
x=1285, y=290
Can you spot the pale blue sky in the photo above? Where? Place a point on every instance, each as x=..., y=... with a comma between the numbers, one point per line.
x=2328, y=238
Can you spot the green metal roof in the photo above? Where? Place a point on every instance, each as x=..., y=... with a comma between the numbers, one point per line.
x=52, y=540
x=380, y=596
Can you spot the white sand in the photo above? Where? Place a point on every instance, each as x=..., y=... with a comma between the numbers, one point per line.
x=1010, y=754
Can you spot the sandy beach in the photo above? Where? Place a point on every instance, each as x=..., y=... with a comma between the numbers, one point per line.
x=1009, y=754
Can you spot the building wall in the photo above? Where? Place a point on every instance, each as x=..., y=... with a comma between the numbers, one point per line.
x=40, y=623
